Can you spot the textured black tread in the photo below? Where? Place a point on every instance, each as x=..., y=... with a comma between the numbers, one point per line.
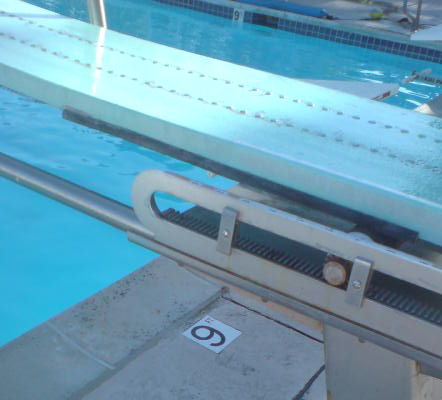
x=384, y=289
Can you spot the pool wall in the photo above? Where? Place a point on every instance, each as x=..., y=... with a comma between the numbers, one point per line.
x=309, y=26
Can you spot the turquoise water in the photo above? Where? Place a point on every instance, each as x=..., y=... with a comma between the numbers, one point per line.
x=52, y=257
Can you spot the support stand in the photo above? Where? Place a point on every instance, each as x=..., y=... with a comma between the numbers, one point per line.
x=357, y=369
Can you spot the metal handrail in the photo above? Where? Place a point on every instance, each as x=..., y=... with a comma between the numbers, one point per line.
x=97, y=12
x=91, y=203
x=414, y=19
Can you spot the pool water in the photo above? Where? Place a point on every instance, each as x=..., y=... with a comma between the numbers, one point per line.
x=51, y=257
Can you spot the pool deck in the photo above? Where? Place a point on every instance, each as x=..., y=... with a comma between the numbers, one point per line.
x=354, y=12
x=126, y=342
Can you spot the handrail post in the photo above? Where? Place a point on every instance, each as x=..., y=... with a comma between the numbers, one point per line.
x=415, y=20
x=97, y=12
x=415, y=25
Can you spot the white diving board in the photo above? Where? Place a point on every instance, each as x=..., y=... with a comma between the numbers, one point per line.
x=429, y=34
x=371, y=157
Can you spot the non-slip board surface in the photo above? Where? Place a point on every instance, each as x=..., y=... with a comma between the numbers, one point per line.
x=375, y=158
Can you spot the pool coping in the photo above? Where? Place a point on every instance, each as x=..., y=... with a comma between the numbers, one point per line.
x=332, y=30
x=108, y=342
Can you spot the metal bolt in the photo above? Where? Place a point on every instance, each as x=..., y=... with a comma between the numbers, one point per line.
x=226, y=233
x=334, y=273
x=357, y=284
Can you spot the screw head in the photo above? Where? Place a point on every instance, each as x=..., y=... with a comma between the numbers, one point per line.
x=357, y=284
x=226, y=233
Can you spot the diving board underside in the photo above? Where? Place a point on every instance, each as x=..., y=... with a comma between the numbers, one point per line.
x=371, y=157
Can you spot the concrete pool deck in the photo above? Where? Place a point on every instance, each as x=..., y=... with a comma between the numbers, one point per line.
x=357, y=13
x=126, y=342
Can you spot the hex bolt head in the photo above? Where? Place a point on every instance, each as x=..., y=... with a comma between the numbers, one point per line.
x=226, y=233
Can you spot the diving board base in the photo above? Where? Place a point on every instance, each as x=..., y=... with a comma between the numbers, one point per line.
x=359, y=369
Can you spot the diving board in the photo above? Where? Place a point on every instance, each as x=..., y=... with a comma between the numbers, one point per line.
x=429, y=34
x=371, y=157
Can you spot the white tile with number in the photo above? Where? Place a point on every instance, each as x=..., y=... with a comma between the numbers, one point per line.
x=212, y=334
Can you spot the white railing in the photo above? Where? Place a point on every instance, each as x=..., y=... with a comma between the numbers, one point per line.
x=414, y=19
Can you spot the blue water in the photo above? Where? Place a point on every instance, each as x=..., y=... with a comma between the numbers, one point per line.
x=51, y=256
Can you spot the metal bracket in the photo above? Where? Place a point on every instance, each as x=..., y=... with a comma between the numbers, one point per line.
x=358, y=282
x=386, y=260
x=226, y=231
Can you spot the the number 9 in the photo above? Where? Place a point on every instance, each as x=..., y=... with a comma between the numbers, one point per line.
x=212, y=332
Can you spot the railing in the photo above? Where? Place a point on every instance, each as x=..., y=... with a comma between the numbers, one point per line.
x=94, y=204
x=97, y=13
x=414, y=19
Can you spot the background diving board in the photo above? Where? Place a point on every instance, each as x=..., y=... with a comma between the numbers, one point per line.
x=368, y=90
